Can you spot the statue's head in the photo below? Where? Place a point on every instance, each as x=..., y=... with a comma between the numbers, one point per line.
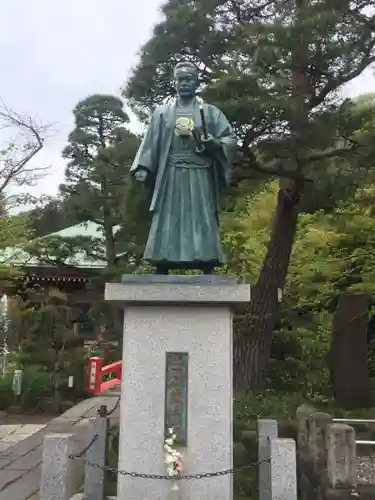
x=185, y=77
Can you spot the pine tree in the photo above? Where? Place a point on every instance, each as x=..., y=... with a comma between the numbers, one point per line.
x=275, y=69
x=100, y=152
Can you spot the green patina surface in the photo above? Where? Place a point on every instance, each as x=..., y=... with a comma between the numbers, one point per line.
x=176, y=395
x=18, y=256
x=186, y=157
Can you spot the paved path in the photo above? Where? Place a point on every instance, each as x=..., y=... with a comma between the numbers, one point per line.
x=20, y=459
x=14, y=429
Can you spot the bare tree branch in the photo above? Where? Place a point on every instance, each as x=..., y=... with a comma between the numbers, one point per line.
x=20, y=148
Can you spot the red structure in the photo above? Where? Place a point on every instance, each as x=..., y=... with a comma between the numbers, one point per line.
x=96, y=373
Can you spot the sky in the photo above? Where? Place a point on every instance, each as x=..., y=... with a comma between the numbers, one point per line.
x=55, y=53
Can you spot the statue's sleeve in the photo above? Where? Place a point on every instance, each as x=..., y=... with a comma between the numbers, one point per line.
x=147, y=154
x=224, y=133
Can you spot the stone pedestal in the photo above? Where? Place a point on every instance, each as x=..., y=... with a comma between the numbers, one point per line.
x=166, y=314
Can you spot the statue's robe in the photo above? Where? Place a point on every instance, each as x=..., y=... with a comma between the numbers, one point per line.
x=186, y=187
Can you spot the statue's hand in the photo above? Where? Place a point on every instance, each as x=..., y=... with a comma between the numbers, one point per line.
x=200, y=149
x=209, y=142
x=141, y=175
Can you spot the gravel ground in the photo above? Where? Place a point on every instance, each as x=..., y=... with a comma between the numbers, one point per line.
x=366, y=470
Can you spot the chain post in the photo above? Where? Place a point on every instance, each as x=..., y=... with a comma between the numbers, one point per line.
x=102, y=411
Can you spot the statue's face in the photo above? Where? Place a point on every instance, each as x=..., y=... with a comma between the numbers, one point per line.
x=186, y=82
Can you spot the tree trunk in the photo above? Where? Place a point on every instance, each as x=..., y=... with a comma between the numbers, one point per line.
x=348, y=355
x=107, y=213
x=110, y=246
x=56, y=384
x=252, y=349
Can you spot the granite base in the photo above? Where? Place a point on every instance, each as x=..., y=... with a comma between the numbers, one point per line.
x=173, y=315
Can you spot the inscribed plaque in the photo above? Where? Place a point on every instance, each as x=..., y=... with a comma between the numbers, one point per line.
x=176, y=395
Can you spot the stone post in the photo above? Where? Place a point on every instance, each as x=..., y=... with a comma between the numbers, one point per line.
x=342, y=457
x=96, y=454
x=303, y=415
x=283, y=469
x=189, y=317
x=318, y=424
x=267, y=429
x=57, y=478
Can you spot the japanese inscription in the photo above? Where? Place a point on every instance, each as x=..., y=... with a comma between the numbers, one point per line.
x=176, y=394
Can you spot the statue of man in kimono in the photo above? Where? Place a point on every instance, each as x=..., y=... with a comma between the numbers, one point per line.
x=186, y=156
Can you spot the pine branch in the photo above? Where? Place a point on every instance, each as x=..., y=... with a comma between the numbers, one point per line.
x=329, y=153
x=274, y=168
x=335, y=83
x=277, y=167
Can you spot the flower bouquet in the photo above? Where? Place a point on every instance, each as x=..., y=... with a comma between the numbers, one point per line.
x=173, y=459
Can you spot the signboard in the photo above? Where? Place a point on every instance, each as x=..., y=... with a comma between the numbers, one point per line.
x=92, y=376
x=176, y=395
x=17, y=382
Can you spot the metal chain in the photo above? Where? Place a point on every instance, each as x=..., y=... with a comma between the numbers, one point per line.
x=202, y=475
x=74, y=456
x=114, y=408
x=103, y=410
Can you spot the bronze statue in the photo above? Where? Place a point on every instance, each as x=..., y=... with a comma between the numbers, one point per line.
x=186, y=155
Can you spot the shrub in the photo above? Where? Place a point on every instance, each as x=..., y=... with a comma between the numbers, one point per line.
x=6, y=391
x=37, y=384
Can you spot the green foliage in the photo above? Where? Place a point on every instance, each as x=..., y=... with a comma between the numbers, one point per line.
x=98, y=187
x=282, y=407
x=6, y=391
x=247, y=53
x=51, y=217
x=50, y=350
x=14, y=233
x=37, y=384
x=14, y=230
x=274, y=69
x=334, y=252
x=299, y=357
x=58, y=250
x=270, y=404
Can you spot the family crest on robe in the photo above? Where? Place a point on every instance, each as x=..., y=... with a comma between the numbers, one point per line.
x=186, y=184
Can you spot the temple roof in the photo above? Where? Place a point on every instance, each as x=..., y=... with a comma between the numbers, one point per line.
x=17, y=256
x=89, y=228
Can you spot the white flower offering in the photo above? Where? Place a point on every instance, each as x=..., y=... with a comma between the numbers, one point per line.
x=173, y=459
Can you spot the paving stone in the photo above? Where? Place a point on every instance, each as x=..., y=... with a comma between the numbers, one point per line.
x=14, y=438
x=19, y=450
x=28, y=429
x=24, y=488
x=9, y=476
x=4, y=446
x=28, y=461
x=5, y=430
x=20, y=462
